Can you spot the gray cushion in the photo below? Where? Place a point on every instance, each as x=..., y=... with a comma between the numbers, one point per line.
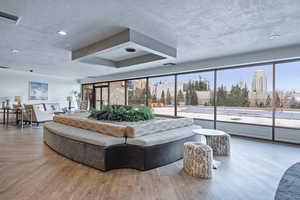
x=121, y=129
x=83, y=135
x=156, y=126
x=163, y=137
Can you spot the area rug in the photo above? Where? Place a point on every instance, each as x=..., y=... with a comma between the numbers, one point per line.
x=289, y=185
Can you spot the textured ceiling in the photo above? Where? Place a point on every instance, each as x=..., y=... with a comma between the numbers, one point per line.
x=200, y=29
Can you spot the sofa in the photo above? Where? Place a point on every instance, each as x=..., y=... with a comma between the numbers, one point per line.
x=38, y=113
x=53, y=108
x=112, y=145
x=42, y=112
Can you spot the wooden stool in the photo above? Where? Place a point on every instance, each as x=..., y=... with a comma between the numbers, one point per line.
x=197, y=159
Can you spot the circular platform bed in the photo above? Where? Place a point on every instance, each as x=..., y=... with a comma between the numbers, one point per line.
x=106, y=152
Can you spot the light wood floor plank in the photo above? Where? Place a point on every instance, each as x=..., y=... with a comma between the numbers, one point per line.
x=29, y=170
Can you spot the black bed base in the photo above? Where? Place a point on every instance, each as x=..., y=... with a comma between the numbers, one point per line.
x=116, y=156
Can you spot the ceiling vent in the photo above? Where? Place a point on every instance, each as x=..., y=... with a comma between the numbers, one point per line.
x=2, y=67
x=127, y=48
x=10, y=17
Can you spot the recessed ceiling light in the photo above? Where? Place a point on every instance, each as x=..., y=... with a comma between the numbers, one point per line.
x=169, y=64
x=131, y=50
x=15, y=51
x=62, y=33
x=274, y=36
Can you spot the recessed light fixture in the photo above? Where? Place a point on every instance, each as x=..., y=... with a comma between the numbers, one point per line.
x=131, y=50
x=62, y=33
x=15, y=51
x=169, y=64
x=274, y=36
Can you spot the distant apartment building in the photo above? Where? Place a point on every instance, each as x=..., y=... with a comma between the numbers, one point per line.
x=204, y=97
x=259, y=89
x=259, y=82
x=157, y=89
x=288, y=98
x=117, y=93
x=141, y=84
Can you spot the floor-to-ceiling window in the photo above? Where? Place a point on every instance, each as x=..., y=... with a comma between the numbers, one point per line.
x=195, y=95
x=101, y=95
x=245, y=95
x=287, y=95
x=136, y=92
x=243, y=100
x=87, y=94
x=117, y=93
x=161, y=95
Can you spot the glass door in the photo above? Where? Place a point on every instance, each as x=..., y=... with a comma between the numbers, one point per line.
x=101, y=94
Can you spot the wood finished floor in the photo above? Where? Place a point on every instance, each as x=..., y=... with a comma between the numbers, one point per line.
x=29, y=170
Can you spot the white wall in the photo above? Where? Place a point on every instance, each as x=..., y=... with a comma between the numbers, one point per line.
x=13, y=83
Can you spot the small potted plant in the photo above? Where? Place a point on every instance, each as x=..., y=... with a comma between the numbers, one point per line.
x=78, y=97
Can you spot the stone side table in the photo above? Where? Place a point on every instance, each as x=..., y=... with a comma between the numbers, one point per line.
x=219, y=141
x=197, y=159
x=220, y=144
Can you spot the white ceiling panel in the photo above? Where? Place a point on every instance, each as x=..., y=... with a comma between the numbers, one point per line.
x=199, y=29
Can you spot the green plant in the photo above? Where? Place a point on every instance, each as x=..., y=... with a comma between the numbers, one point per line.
x=122, y=113
x=77, y=96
